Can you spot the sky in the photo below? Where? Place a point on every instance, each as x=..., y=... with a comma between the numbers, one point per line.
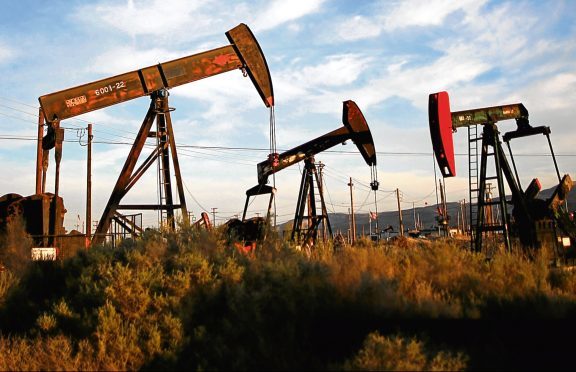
x=387, y=56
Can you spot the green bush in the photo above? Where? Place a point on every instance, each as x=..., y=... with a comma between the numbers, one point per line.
x=395, y=353
x=15, y=246
x=191, y=300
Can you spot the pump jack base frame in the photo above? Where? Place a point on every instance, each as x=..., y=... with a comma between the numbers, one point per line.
x=159, y=112
x=307, y=197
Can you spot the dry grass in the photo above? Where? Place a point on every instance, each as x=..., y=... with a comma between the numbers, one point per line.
x=190, y=300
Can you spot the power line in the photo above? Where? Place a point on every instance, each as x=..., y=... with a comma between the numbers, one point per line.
x=341, y=152
x=229, y=148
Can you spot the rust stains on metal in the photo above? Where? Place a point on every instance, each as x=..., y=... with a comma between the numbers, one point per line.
x=244, y=53
x=354, y=120
x=250, y=53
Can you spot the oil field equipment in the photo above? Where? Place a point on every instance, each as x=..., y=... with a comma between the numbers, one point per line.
x=43, y=216
x=243, y=53
x=355, y=128
x=203, y=222
x=536, y=222
x=43, y=212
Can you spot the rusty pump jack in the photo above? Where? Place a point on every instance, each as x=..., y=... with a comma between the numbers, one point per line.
x=528, y=212
x=355, y=128
x=243, y=53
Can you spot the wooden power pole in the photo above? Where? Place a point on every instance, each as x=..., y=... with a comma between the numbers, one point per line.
x=353, y=220
x=214, y=217
x=89, y=189
x=39, y=152
x=399, y=213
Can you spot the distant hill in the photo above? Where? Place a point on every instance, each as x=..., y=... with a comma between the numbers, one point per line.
x=426, y=215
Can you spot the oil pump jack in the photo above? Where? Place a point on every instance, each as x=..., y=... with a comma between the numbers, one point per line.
x=534, y=221
x=355, y=128
x=243, y=53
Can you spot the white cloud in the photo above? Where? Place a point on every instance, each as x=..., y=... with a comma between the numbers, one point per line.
x=280, y=11
x=6, y=53
x=555, y=93
x=338, y=70
x=412, y=83
x=227, y=93
x=401, y=15
x=146, y=18
x=358, y=27
x=184, y=20
x=501, y=43
x=22, y=179
x=123, y=59
x=426, y=12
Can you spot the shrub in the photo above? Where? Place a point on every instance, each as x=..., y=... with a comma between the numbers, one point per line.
x=15, y=246
x=46, y=353
x=190, y=300
x=395, y=353
x=7, y=281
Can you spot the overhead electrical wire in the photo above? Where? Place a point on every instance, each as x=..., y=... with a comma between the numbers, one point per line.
x=4, y=136
x=273, y=136
x=97, y=130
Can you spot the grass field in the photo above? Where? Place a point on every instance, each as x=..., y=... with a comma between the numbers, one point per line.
x=190, y=300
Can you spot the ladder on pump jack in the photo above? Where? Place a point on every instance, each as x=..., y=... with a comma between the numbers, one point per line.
x=244, y=53
x=473, y=175
x=480, y=203
x=325, y=224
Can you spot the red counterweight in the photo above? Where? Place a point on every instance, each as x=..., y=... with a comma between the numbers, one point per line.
x=440, y=121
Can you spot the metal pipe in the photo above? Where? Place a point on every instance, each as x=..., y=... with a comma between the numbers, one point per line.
x=39, y=152
x=514, y=165
x=353, y=227
x=89, y=189
x=553, y=157
x=401, y=227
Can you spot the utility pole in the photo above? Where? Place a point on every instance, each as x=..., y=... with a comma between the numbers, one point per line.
x=39, y=152
x=464, y=225
x=320, y=167
x=89, y=189
x=414, y=213
x=399, y=213
x=353, y=220
x=214, y=217
x=444, y=210
x=458, y=220
x=462, y=213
